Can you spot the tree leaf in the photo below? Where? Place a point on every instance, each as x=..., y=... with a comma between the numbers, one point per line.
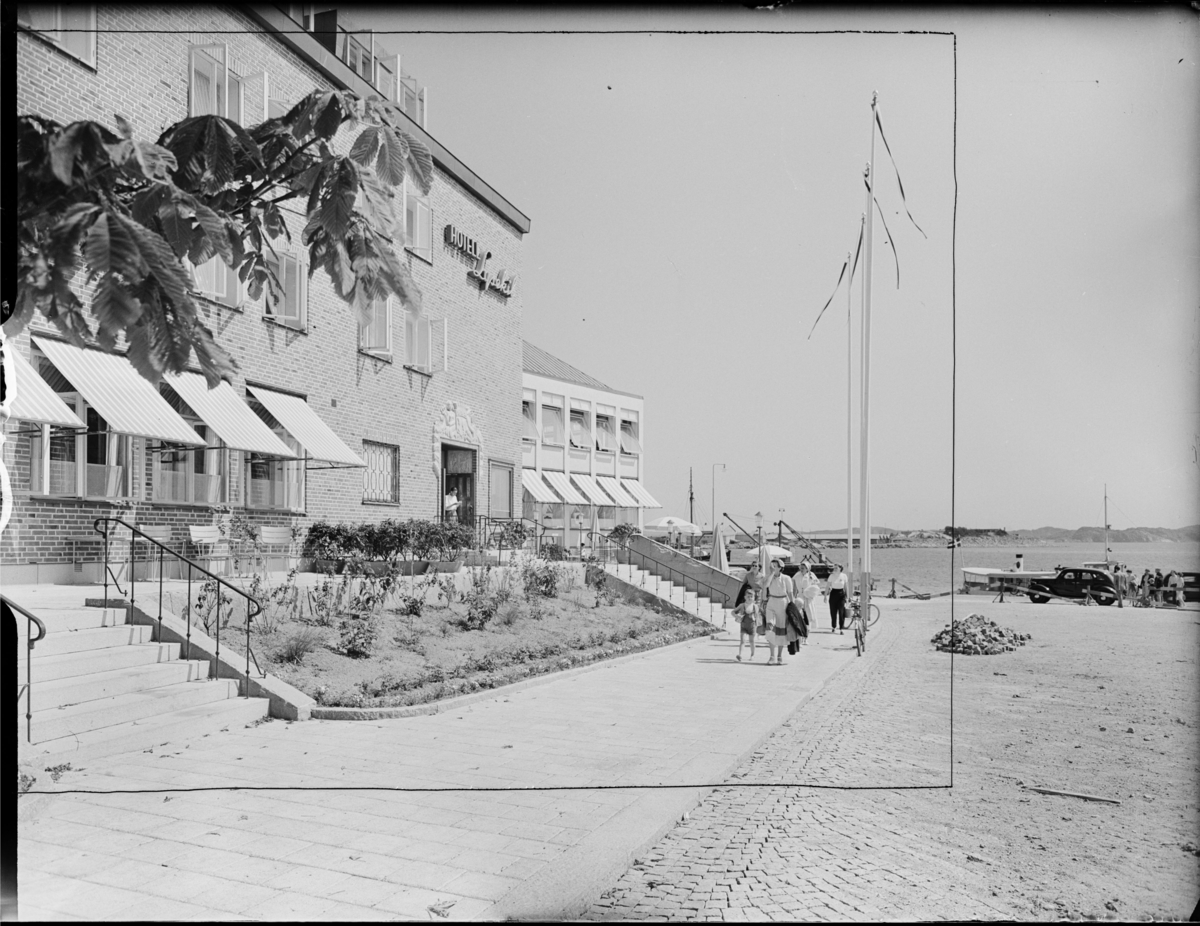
x=123, y=126
x=116, y=308
x=214, y=229
x=393, y=157
x=110, y=248
x=363, y=149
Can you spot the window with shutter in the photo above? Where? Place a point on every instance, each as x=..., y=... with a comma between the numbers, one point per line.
x=418, y=222
x=291, y=308
x=375, y=336
x=416, y=342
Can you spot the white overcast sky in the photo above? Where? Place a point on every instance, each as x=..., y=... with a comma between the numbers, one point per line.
x=693, y=197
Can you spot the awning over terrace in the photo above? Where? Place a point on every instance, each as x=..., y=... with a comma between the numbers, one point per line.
x=533, y=484
x=231, y=418
x=298, y=419
x=613, y=488
x=638, y=491
x=588, y=485
x=118, y=393
x=32, y=397
x=562, y=485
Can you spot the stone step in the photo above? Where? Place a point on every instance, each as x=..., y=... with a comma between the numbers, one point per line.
x=77, y=689
x=98, y=638
x=60, y=620
x=87, y=662
x=174, y=728
x=107, y=712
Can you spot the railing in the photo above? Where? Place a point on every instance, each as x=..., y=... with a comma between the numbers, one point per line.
x=488, y=529
x=27, y=688
x=712, y=591
x=163, y=549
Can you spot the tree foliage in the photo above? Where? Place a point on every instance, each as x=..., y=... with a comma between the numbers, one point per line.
x=118, y=216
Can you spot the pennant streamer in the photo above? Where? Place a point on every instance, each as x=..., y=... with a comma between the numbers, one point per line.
x=879, y=123
x=839, y=282
x=887, y=231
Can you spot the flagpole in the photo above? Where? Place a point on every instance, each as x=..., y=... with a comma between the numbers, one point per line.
x=864, y=500
x=849, y=424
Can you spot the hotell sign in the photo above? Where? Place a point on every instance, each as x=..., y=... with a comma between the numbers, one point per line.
x=500, y=280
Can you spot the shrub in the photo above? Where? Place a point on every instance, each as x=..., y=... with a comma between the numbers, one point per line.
x=481, y=608
x=299, y=645
x=553, y=553
x=540, y=578
x=410, y=605
x=622, y=532
x=513, y=534
x=508, y=612
x=358, y=635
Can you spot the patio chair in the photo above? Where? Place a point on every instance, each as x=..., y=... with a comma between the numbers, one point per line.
x=211, y=545
x=163, y=534
x=275, y=542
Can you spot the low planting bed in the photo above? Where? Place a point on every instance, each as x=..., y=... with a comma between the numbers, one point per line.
x=395, y=641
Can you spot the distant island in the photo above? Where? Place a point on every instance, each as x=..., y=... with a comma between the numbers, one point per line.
x=996, y=536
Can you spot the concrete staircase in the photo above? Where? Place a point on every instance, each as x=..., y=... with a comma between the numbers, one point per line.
x=101, y=685
x=696, y=604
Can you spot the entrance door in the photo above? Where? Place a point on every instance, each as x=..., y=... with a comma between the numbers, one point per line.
x=458, y=469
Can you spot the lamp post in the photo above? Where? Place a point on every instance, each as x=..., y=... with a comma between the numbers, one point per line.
x=758, y=518
x=714, y=498
x=780, y=526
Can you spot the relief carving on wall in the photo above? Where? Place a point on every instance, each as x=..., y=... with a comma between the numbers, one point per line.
x=453, y=424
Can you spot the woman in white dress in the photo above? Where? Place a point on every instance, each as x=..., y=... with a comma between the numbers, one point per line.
x=778, y=591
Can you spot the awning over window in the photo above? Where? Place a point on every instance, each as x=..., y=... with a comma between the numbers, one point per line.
x=562, y=485
x=624, y=499
x=533, y=484
x=638, y=491
x=298, y=419
x=228, y=415
x=126, y=401
x=591, y=490
x=32, y=397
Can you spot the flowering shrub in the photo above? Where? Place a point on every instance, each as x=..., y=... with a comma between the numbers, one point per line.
x=358, y=634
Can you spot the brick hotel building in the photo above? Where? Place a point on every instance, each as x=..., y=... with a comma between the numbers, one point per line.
x=326, y=419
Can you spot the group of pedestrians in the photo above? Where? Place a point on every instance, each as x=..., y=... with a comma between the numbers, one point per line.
x=781, y=609
x=1153, y=588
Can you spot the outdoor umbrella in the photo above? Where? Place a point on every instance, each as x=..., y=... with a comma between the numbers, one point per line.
x=718, y=559
x=672, y=524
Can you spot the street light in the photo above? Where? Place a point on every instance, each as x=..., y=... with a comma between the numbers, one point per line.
x=758, y=516
x=714, y=497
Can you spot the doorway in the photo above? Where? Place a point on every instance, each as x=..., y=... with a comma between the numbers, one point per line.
x=458, y=477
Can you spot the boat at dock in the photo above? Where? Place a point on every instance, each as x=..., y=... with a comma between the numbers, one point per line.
x=983, y=580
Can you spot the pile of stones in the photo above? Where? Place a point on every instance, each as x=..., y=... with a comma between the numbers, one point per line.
x=977, y=636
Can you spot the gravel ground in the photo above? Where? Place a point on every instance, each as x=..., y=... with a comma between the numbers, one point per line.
x=1101, y=701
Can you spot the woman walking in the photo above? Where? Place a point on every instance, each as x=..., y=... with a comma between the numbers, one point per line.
x=808, y=589
x=779, y=591
x=837, y=599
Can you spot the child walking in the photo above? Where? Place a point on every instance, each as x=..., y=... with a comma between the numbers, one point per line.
x=747, y=614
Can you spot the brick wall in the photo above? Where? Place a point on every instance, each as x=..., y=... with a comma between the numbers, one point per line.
x=143, y=75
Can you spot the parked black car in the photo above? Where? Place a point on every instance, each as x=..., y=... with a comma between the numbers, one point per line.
x=1075, y=582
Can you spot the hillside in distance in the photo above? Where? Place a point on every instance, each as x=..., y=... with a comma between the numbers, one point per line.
x=1129, y=535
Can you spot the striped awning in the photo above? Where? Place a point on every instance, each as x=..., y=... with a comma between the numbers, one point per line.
x=588, y=485
x=228, y=415
x=300, y=421
x=533, y=484
x=32, y=397
x=638, y=491
x=613, y=488
x=562, y=485
x=119, y=394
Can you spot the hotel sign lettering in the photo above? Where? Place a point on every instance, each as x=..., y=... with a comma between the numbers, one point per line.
x=499, y=280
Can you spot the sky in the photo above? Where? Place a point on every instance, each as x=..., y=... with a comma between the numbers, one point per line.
x=694, y=196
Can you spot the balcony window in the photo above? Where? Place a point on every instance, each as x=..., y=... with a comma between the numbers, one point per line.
x=381, y=478
x=68, y=26
x=213, y=89
x=552, y=425
x=605, y=436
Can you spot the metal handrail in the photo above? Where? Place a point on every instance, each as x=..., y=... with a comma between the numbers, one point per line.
x=484, y=523
x=713, y=591
x=162, y=550
x=27, y=688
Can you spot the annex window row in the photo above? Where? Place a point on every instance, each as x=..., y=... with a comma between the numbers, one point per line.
x=70, y=27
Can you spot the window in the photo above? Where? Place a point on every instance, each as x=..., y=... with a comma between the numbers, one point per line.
x=552, y=425
x=292, y=307
x=500, y=486
x=605, y=437
x=581, y=432
x=416, y=342
x=529, y=417
x=276, y=484
x=277, y=109
x=381, y=478
x=98, y=464
x=190, y=474
x=629, y=441
x=375, y=337
x=213, y=89
x=216, y=280
x=418, y=222
x=69, y=26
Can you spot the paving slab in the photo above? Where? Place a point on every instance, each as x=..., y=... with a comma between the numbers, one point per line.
x=623, y=749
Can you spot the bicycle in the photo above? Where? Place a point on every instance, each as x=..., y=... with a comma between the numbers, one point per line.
x=857, y=625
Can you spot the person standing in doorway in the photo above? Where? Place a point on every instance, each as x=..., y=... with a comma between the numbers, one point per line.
x=450, y=505
x=837, y=599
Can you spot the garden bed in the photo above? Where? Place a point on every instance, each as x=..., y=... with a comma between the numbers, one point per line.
x=368, y=642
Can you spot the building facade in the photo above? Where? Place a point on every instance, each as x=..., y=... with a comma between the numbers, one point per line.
x=582, y=458
x=326, y=419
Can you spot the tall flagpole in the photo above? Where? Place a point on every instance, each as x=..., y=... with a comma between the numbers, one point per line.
x=864, y=465
x=849, y=425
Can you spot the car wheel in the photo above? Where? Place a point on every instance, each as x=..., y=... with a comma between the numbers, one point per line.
x=1105, y=600
x=1038, y=599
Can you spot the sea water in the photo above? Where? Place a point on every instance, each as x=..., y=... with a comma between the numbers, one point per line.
x=928, y=569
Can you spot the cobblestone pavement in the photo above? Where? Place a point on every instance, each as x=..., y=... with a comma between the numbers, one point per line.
x=1101, y=701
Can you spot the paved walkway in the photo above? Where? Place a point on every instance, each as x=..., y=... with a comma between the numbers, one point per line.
x=682, y=717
